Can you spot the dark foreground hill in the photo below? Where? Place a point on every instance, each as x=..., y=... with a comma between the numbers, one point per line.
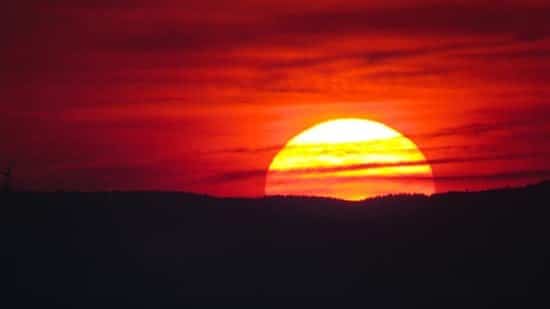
x=456, y=250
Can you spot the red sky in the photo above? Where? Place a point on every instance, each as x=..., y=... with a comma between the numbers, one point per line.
x=200, y=95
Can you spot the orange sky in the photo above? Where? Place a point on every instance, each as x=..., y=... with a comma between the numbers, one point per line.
x=200, y=95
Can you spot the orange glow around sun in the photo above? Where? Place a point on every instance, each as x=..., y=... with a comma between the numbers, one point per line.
x=349, y=159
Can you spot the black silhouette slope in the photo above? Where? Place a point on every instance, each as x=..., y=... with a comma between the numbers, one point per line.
x=455, y=250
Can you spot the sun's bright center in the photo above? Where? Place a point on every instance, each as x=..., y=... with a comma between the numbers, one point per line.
x=350, y=159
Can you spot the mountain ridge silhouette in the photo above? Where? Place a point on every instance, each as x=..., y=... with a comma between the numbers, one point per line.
x=482, y=249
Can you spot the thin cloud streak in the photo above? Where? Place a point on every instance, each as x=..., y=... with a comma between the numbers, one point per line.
x=438, y=180
x=243, y=175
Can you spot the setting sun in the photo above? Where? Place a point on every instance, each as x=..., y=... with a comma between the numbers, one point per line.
x=350, y=159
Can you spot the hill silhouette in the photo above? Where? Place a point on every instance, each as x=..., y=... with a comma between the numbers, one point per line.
x=153, y=249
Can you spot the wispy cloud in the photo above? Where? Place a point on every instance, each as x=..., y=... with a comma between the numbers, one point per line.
x=247, y=174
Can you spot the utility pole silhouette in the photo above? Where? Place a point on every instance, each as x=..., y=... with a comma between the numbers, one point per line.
x=7, y=173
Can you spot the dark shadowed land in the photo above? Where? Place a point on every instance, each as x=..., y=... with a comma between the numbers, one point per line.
x=456, y=250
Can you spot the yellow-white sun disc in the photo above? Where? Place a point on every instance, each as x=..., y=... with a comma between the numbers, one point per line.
x=350, y=159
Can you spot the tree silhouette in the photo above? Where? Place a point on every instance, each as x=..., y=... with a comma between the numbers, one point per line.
x=7, y=173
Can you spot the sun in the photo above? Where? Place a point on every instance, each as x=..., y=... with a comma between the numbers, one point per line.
x=350, y=159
